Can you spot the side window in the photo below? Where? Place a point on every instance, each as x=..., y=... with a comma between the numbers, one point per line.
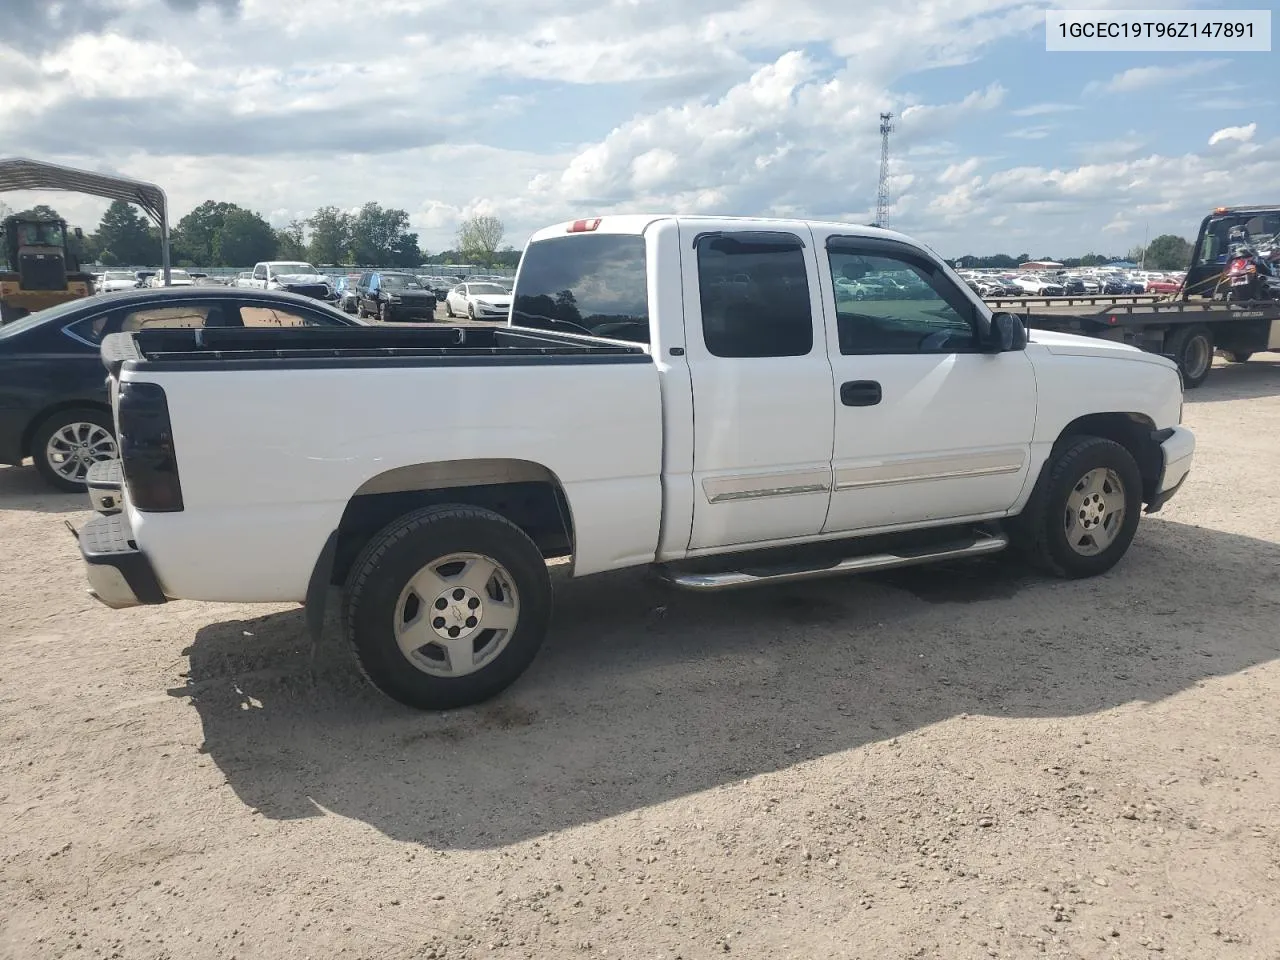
x=891, y=304
x=90, y=329
x=260, y=272
x=178, y=315
x=754, y=294
x=260, y=315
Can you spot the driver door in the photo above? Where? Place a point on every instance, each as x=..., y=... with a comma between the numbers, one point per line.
x=927, y=427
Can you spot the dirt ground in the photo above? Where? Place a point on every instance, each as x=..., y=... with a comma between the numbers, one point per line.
x=962, y=763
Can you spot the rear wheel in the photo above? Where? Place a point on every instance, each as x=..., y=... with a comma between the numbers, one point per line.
x=447, y=606
x=448, y=309
x=1192, y=348
x=1084, y=510
x=68, y=442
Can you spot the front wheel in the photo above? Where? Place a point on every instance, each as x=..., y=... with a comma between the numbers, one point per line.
x=1084, y=510
x=471, y=311
x=384, y=312
x=68, y=442
x=447, y=606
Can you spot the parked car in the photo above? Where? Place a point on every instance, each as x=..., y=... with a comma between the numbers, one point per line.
x=1164, y=285
x=292, y=276
x=54, y=406
x=749, y=434
x=1072, y=286
x=1039, y=286
x=392, y=295
x=114, y=281
x=479, y=301
x=440, y=286
x=243, y=279
x=177, y=278
x=346, y=292
x=144, y=277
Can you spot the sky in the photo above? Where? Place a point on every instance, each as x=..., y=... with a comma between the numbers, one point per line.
x=537, y=111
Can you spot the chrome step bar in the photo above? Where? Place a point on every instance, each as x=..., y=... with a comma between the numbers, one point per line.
x=981, y=545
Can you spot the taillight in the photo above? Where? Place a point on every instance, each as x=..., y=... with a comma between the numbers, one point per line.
x=147, y=457
x=584, y=226
x=1239, y=265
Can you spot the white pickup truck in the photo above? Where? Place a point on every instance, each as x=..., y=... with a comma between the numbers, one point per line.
x=704, y=396
x=291, y=275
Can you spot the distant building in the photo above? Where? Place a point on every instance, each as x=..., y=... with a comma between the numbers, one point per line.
x=1040, y=265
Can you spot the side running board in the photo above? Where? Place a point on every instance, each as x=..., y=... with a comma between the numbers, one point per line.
x=980, y=544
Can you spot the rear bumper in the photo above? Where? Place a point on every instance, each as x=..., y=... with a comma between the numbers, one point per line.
x=1177, y=450
x=119, y=574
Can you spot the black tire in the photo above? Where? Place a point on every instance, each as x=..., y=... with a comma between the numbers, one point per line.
x=51, y=425
x=1237, y=356
x=1192, y=348
x=448, y=309
x=1039, y=532
x=398, y=553
x=361, y=313
x=384, y=312
x=471, y=311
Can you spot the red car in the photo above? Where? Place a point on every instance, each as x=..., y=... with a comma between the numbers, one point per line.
x=1164, y=286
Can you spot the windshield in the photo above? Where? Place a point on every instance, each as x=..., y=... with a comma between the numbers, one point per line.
x=489, y=289
x=294, y=268
x=40, y=235
x=592, y=284
x=400, y=281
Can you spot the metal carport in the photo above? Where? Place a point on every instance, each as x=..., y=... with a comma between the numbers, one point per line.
x=18, y=173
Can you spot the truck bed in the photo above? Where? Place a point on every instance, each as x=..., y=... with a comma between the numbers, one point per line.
x=328, y=347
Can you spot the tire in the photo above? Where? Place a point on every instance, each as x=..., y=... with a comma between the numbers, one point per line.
x=1041, y=531
x=380, y=593
x=361, y=313
x=471, y=311
x=1192, y=347
x=384, y=312
x=1237, y=356
x=82, y=425
x=448, y=309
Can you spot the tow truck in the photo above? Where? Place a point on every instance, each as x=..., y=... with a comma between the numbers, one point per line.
x=1188, y=326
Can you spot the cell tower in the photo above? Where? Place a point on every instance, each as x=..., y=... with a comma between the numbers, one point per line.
x=882, y=195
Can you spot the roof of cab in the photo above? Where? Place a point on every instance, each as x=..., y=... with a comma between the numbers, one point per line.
x=634, y=223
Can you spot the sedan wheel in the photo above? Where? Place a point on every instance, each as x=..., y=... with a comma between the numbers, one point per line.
x=68, y=443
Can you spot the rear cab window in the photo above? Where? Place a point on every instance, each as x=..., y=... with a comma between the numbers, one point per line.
x=592, y=284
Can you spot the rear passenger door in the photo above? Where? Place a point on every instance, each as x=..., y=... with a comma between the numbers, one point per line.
x=762, y=387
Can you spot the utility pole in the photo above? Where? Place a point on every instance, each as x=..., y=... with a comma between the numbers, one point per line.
x=882, y=195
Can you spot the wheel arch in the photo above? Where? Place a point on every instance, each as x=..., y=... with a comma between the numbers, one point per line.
x=1133, y=431
x=528, y=494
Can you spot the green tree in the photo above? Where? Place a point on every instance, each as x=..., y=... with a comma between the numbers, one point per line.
x=195, y=236
x=331, y=236
x=376, y=233
x=1092, y=260
x=479, y=237
x=406, y=252
x=1168, y=252
x=40, y=211
x=124, y=238
x=245, y=238
x=290, y=244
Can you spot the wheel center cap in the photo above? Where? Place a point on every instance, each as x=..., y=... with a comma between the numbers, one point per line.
x=456, y=613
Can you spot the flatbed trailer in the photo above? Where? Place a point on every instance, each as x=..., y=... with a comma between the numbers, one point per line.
x=1187, y=330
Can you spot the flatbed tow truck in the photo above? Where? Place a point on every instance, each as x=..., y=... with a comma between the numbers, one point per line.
x=1188, y=326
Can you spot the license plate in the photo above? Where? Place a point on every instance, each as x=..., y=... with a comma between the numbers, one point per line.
x=1239, y=281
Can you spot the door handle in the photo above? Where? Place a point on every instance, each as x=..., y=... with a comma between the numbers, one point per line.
x=860, y=393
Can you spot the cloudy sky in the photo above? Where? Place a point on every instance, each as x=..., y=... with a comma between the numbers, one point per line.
x=541, y=110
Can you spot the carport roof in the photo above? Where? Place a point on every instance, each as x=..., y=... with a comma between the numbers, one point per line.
x=19, y=173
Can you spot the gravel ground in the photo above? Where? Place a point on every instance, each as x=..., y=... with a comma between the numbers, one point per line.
x=959, y=763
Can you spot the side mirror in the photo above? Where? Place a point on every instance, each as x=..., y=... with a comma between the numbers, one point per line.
x=1006, y=334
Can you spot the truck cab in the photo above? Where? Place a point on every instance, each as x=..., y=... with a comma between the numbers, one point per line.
x=42, y=268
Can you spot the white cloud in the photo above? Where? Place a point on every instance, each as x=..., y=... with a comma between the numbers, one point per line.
x=1031, y=133
x=1242, y=134
x=1145, y=78
x=1041, y=109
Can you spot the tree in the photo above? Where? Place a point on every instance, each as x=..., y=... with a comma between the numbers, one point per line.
x=1168, y=252
x=478, y=238
x=195, y=236
x=245, y=238
x=331, y=236
x=290, y=244
x=406, y=252
x=40, y=211
x=1092, y=260
x=124, y=238
x=376, y=233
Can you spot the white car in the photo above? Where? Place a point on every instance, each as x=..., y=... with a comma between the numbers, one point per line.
x=177, y=278
x=644, y=407
x=479, y=301
x=114, y=280
x=1040, y=286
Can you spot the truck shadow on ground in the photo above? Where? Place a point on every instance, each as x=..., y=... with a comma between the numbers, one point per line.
x=643, y=695
x=22, y=488
x=1258, y=377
